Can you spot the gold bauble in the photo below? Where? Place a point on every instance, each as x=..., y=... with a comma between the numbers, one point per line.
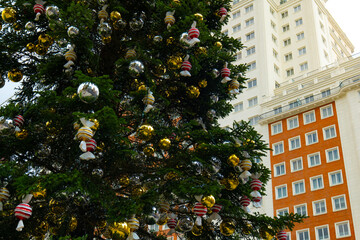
x=230, y=183
x=142, y=87
x=233, y=160
x=208, y=201
x=174, y=62
x=149, y=151
x=170, y=40
x=197, y=230
x=218, y=45
x=124, y=181
x=202, y=83
x=170, y=175
x=227, y=227
x=119, y=230
x=199, y=16
x=15, y=75
x=201, y=51
x=56, y=207
x=246, y=229
x=106, y=40
x=145, y=132
x=40, y=193
x=45, y=40
x=41, y=228
x=76, y=126
x=22, y=134
x=17, y=26
x=192, y=92
x=73, y=224
x=96, y=123
x=175, y=3
x=159, y=70
x=115, y=16
x=9, y=15
x=138, y=191
x=165, y=144
x=40, y=50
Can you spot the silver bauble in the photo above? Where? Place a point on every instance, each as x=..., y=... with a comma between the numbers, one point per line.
x=136, y=24
x=211, y=114
x=185, y=224
x=30, y=26
x=98, y=171
x=88, y=92
x=2, y=82
x=52, y=12
x=72, y=31
x=183, y=209
x=104, y=29
x=184, y=40
x=119, y=25
x=215, y=73
x=214, y=98
x=197, y=166
x=158, y=39
x=136, y=68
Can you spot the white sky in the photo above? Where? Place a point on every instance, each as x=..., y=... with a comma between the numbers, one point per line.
x=345, y=12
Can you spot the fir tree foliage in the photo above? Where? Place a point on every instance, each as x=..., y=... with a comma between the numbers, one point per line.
x=85, y=199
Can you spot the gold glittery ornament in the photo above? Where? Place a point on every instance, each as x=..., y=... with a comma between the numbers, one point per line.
x=197, y=230
x=106, y=39
x=41, y=50
x=124, y=181
x=174, y=62
x=41, y=229
x=192, y=92
x=149, y=151
x=230, y=183
x=40, y=193
x=142, y=87
x=73, y=224
x=15, y=75
x=22, y=134
x=138, y=191
x=165, y=144
x=145, y=132
x=208, y=201
x=119, y=230
x=227, y=227
x=199, y=17
x=201, y=51
x=170, y=175
x=56, y=207
x=9, y=15
x=17, y=26
x=170, y=40
x=96, y=124
x=159, y=70
x=115, y=16
x=76, y=126
x=233, y=160
x=45, y=40
x=246, y=229
x=202, y=83
x=218, y=45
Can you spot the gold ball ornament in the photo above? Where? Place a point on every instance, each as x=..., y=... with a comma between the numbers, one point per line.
x=230, y=183
x=199, y=16
x=39, y=194
x=159, y=70
x=170, y=175
x=218, y=45
x=30, y=47
x=16, y=26
x=9, y=15
x=197, y=230
x=169, y=41
x=22, y=134
x=145, y=132
x=115, y=16
x=201, y=51
x=233, y=160
x=165, y=144
x=246, y=229
x=142, y=87
x=96, y=124
x=56, y=207
x=41, y=229
x=192, y=92
x=45, y=40
x=106, y=39
x=119, y=230
x=174, y=62
x=208, y=201
x=227, y=227
x=138, y=191
x=15, y=75
x=149, y=151
x=202, y=83
x=41, y=50
x=124, y=181
x=73, y=224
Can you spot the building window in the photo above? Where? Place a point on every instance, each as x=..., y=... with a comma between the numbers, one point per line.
x=322, y=233
x=275, y=54
x=303, y=234
x=288, y=57
x=294, y=104
x=278, y=110
x=249, y=22
x=302, y=51
x=339, y=203
x=292, y=123
x=300, y=36
x=236, y=14
x=287, y=42
x=298, y=187
x=274, y=39
x=253, y=120
x=276, y=69
x=332, y=154
x=309, y=99
x=316, y=183
x=311, y=137
x=325, y=93
x=329, y=132
x=309, y=117
x=278, y=148
x=251, y=66
x=154, y=228
x=276, y=128
x=286, y=28
x=238, y=55
x=249, y=8
x=289, y=72
x=319, y=207
x=279, y=169
x=296, y=164
x=282, y=212
x=273, y=25
x=342, y=229
x=298, y=22
x=239, y=107
x=294, y=143
x=314, y=159
x=326, y=111
x=304, y=66
x=297, y=8
x=250, y=51
x=281, y=191
x=250, y=36
x=301, y=209
x=284, y=14
x=253, y=102
x=237, y=28
x=335, y=178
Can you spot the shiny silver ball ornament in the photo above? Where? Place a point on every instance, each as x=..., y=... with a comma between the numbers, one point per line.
x=52, y=12
x=119, y=25
x=185, y=224
x=30, y=26
x=136, y=68
x=62, y=42
x=136, y=24
x=158, y=39
x=88, y=92
x=104, y=29
x=72, y=31
x=183, y=209
x=215, y=73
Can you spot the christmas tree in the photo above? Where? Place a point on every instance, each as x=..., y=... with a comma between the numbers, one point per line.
x=114, y=127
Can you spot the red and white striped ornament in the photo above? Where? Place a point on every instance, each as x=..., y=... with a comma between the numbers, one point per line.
x=22, y=211
x=223, y=13
x=193, y=35
x=172, y=225
x=225, y=74
x=281, y=235
x=91, y=145
x=215, y=215
x=256, y=184
x=186, y=67
x=39, y=9
x=87, y=147
x=18, y=122
x=199, y=210
x=245, y=202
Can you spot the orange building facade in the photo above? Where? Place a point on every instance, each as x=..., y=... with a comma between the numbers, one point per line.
x=308, y=174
